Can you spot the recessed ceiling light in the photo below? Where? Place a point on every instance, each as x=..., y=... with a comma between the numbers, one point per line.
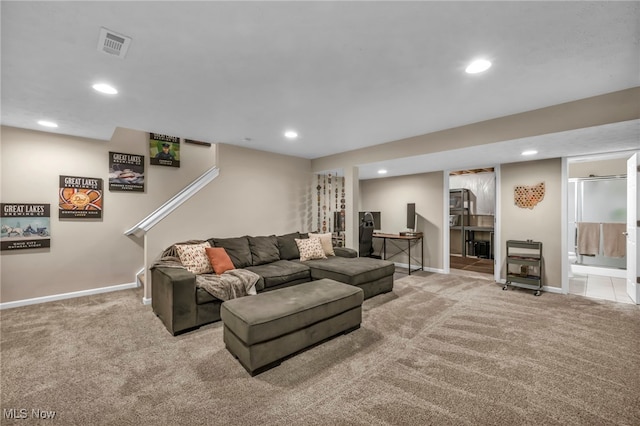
x=382, y=172
x=105, y=88
x=478, y=66
x=290, y=134
x=530, y=152
x=46, y=123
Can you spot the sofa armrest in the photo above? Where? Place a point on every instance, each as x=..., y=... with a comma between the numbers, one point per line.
x=345, y=252
x=173, y=298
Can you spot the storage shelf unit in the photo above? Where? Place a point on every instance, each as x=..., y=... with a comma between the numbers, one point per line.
x=524, y=265
x=459, y=215
x=460, y=220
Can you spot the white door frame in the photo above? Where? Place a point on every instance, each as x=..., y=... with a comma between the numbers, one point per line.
x=497, y=229
x=446, y=264
x=565, y=214
x=632, y=234
x=496, y=246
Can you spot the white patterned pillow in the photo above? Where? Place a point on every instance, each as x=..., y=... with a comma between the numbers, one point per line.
x=310, y=248
x=326, y=241
x=194, y=257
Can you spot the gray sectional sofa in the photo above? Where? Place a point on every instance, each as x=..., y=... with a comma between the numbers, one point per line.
x=183, y=306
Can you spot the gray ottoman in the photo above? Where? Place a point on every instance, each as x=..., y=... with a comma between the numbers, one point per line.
x=262, y=330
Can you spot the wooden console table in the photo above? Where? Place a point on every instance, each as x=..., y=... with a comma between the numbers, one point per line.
x=395, y=238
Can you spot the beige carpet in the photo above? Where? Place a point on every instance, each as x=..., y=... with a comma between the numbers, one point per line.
x=438, y=350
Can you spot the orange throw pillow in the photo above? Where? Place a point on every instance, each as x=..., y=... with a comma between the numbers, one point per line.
x=220, y=260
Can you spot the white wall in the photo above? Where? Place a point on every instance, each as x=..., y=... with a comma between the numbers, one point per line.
x=611, y=167
x=390, y=197
x=603, y=109
x=543, y=222
x=256, y=193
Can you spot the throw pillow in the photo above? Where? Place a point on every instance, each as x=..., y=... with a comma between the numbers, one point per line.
x=219, y=259
x=310, y=248
x=194, y=257
x=327, y=243
x=237, y=248
x=264, y=249
x=287, y=245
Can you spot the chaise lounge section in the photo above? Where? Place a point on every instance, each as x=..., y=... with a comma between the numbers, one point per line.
x=182, y=306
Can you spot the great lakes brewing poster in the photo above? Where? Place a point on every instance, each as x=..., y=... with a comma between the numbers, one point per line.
x=25, y=226
x=126, y=172
x=80, y=198
x=164, y=150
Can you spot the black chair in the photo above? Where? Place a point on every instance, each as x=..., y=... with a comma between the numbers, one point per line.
x=366, y=235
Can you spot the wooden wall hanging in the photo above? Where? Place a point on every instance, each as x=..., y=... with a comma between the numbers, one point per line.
x=328, y=190
x=528, y=196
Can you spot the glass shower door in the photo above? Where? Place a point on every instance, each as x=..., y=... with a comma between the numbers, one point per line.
x=601, y=201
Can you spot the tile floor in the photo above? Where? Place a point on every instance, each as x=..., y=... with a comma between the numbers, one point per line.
x=599, y=287
x=594, y=286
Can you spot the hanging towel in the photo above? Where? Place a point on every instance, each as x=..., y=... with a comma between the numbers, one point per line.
x=614, y=242
x=588, y=238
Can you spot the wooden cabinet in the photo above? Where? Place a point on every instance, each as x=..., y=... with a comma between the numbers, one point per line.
x=524, y=265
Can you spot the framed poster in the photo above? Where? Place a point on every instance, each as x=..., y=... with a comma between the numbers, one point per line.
x=164, y=150
x=24, y=226
x=126, y=172
x=80, y=198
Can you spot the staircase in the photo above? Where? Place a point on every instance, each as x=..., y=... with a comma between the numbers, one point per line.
x=141, y=228
x=176, y=201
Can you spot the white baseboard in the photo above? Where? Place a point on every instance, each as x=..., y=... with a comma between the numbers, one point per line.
x=146, y=300
x=54, y=297
x=427, y=269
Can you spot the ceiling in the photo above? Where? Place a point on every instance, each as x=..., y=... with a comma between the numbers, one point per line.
x=344, y=75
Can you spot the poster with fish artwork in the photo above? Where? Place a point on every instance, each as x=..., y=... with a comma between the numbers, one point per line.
x=126, y=172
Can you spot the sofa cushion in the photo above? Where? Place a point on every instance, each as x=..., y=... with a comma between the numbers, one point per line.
x=281, y=272
x=219, y=259
x=327, y=242
x=237, y=248
x=264, y=249
x=354, y=271
x=203, y=296
x=287, y=245
x=310, y=248
x=194, y=257
x=345, y=252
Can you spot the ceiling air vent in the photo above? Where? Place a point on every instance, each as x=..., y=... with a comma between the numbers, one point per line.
x=113, y=43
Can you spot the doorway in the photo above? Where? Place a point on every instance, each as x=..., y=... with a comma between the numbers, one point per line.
x=472, y=207
x=597, y=215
